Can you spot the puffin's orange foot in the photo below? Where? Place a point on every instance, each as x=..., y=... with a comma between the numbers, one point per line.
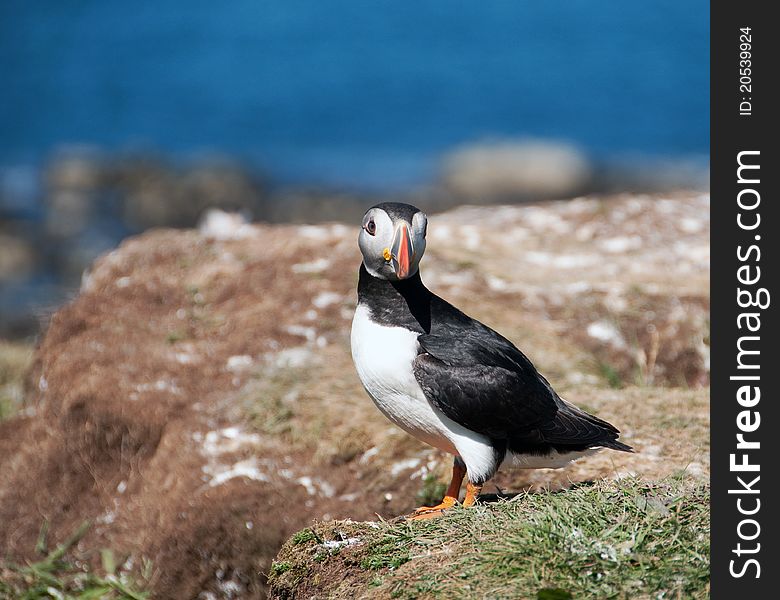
x=447, y=502
x=430, y=514
x=472, y=493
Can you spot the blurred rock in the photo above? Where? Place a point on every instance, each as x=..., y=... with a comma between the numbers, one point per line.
x=72, y=182
x=311, y=205
x=76, y=254
x=515, y=171
x=155, y=195
x=654, y=174
x=68, y=212
x=143, y=190
x=221, y=225
x=18, y=258
x=75, y=170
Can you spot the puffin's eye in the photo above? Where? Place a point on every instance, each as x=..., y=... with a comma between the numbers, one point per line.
x=371, y=227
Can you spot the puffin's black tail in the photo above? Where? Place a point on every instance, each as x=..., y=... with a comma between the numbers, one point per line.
x=574, y=426
x=616, y=445
x=572, y=429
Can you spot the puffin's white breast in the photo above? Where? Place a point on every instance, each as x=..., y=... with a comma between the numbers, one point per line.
x=383, y=356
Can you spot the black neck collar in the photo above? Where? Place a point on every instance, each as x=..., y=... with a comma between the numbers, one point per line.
x=405, y=303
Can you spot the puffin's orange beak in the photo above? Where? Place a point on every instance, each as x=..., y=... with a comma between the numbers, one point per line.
x=402, y=251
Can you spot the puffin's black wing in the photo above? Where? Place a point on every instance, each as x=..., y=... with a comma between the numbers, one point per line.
x=484, y=384
x=480, y=380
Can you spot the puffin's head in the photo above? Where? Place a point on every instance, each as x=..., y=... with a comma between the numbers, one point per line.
x=392, y=240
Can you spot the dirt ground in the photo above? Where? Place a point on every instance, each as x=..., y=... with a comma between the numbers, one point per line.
x=197, y=401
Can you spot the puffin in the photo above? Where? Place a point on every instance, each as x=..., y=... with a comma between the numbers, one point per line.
x=449, y=380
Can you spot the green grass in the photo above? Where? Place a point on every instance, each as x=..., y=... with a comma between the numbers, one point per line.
x=610, y=539
x=280, y=567
x=610, y=375
x=55, y=576
x=303, y=536
x=388, y=551
x=432, y=490
x=176, y=336
x=14, y=361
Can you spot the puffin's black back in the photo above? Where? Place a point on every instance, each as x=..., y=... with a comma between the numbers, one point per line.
x=478, y=378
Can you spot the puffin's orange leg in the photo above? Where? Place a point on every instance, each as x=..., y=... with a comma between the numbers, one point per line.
x=472, y=491
x=451, y=495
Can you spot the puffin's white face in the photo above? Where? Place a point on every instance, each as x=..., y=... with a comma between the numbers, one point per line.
x=392, y=246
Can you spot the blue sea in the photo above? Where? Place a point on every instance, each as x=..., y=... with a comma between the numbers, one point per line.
x=351, y=93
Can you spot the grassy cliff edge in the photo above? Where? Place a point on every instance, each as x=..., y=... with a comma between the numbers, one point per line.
x=622, y=538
